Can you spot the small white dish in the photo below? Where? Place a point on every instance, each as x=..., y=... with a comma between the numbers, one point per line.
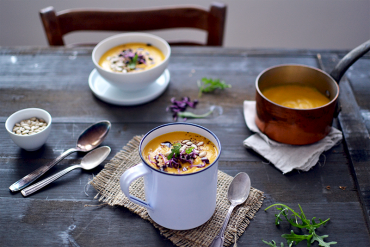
x=29, y=142
x=110, y=94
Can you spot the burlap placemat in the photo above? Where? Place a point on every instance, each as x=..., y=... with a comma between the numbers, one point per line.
x=107, y=184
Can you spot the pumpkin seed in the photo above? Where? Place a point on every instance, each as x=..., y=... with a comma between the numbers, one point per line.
x=29, y=126
x=203, y=154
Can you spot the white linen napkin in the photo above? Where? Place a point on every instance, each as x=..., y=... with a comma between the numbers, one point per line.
x=286, y=157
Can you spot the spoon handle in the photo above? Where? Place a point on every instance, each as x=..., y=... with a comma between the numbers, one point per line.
x=30, y=178
x=33, y=188
x=218, y=241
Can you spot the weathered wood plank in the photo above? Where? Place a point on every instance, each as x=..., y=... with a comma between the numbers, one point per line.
x=355, y=132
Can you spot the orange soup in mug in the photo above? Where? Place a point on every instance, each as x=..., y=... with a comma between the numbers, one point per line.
x=180, y=152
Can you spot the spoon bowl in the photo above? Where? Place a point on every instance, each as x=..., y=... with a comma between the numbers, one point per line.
x=239, y=189
x=88, y=162
x=237, y=194
x=93, y=136
x=89, y=139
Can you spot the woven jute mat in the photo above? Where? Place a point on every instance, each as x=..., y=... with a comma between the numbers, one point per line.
x=107, y=184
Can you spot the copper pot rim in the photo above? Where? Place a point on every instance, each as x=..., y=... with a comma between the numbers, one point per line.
x=297, y=65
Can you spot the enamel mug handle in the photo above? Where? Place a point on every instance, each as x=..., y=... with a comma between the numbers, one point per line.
x=128, y=177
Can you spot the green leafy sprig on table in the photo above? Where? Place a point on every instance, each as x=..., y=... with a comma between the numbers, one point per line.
x=187, y=114
x=309, y=225
x=207, y=85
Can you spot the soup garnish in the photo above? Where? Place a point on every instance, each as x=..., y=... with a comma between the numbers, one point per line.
x=180, y=152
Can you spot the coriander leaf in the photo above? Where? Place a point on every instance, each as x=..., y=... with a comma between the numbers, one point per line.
x=296, y=238
x=132, y=64
x=272, y=243
x=187, y=114
x=189, y=150
x=209, y=85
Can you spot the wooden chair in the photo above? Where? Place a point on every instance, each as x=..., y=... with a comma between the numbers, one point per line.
x=58, y=24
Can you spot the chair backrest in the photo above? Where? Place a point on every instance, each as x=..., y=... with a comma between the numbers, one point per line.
x=58, y=24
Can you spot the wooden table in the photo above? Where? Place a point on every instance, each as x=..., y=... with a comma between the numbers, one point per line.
x=56, y=79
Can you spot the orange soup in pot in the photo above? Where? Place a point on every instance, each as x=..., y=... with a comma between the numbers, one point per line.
x=296, y=96
x=180, y=152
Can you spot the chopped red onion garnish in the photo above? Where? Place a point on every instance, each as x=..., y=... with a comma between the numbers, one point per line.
x=150, y=159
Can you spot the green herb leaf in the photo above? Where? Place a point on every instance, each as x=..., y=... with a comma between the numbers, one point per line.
x=132, y=64
x=175, y=151
x=300, y=221
x=321, y=241
x=209, y=85
x=296, y=238
x=189, y=150
x=272, y=243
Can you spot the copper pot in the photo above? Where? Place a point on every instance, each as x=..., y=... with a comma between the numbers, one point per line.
x=301, y=126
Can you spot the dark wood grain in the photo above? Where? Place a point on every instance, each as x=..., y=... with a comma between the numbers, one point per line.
x=354, y=128
x=65, y=212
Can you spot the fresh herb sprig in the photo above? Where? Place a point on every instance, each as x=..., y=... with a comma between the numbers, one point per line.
x=207, y=85
x=175, y=151
x=189, y=150
x=305, y=223
x=273, y=244
x=132, y=64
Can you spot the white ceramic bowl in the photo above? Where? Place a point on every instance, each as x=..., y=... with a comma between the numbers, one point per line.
x=29, y=142
x=131, y=81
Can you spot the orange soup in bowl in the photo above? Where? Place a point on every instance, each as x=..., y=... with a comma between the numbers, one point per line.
x=131, y=57
x=180, y=152
x=296, y=96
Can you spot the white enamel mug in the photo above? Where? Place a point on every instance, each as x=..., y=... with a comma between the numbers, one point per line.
x=175, y=201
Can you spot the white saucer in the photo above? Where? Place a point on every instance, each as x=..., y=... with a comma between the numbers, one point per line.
x=110, y=94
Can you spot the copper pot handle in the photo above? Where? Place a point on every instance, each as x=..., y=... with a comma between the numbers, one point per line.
x=348, y=60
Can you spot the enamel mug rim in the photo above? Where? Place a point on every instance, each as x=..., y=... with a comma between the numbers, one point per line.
x=169, y=124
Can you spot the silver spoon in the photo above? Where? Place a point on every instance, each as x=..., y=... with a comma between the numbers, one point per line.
x=89, y=139
x=90, y=161
x=237, y=194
